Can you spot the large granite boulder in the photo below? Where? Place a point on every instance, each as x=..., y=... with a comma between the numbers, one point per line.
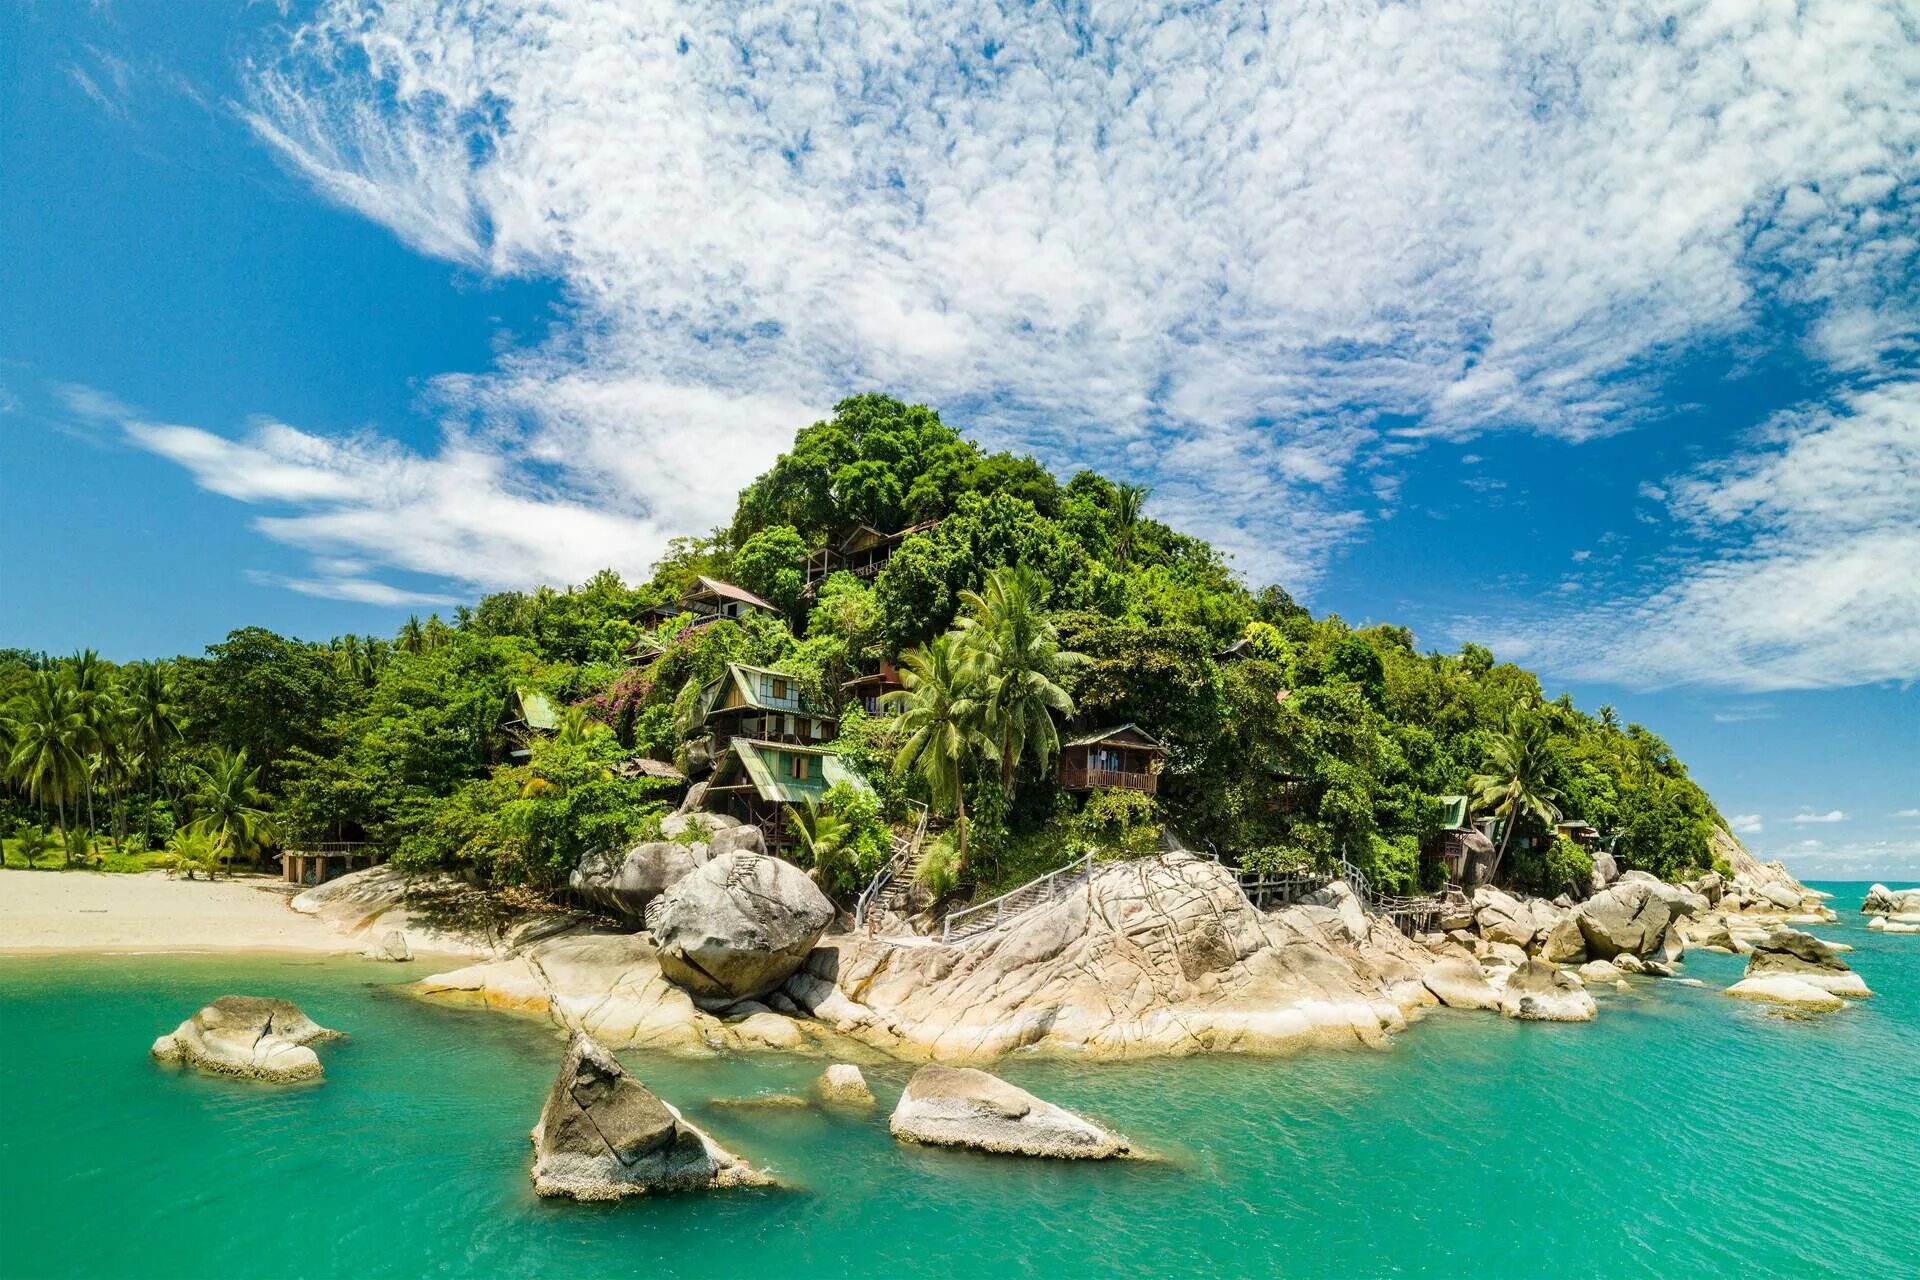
x=964, y=1107
x=602, y=1135
x=1632, y=917
x=256, y=1037
x=624, y=884
x=1805, y=958
x=1503, y=917
x=1540, y=992
x=1458, y=984
x=842, y=1085
x=676, y=826
x=737, y=927
x=1348, y=916
x=1882, y=901
x=1563, y=942
x=1908, y=923
x=1605, y=869
x=1151, y=957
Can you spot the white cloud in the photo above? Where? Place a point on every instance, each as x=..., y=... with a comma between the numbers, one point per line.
x=1210, y=247
x=1906, y=813
x=1831, y=815
x=1747, y=824
x=1811, y=577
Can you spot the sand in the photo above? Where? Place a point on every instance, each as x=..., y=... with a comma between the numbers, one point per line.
x=95, y=911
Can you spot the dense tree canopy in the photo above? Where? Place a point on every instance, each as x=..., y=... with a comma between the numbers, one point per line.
x=1312, y=740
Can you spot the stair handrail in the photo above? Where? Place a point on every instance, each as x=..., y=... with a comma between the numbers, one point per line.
x=893, y=866
x=1051, y=881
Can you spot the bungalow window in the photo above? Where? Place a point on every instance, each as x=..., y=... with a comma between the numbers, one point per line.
x=797, y=768
x=787, y=726
x=816, y=729
x=779, y=688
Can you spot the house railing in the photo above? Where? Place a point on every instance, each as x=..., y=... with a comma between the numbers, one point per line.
x=991, y=914
x=1077, y=776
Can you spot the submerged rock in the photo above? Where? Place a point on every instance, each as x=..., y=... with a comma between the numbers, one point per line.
x=842, y=1085
x=1781, y=988
x=964, y=1107
x=1539, y=992
x=1791, y=953
x=602, y=1134
x=1459, y=984
x=257, y=1037
x=738, y=927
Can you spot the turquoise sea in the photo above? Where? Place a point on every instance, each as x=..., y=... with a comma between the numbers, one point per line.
x=1682, y=1134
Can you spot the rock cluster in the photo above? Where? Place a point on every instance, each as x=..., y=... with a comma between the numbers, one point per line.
x=624, y=884
x=738, y=927
x=1899, y=903
x=1805, y=958
x=1538, y=991
x=962, y=1107
x=257, y=1037
x=602, y=1135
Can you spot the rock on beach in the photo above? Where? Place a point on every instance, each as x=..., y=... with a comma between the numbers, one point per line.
x=254, y=1037
x=965, y=1107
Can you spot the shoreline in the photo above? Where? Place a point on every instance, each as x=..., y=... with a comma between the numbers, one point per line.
x=45, y=913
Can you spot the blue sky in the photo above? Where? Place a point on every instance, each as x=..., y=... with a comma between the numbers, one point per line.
x=1589, y=337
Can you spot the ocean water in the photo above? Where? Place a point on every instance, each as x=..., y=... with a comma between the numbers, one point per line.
x=1681, y=1134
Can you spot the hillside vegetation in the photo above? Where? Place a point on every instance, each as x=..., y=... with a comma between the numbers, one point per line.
x=1323, y=738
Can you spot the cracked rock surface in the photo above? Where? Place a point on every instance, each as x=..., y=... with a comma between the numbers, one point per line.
x=254, y=1037
x=964, y=1107
x=738, y=926
x=602, y=1134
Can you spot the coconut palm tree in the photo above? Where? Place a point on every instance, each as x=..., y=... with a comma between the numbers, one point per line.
x=413, y=637
x=940, y=717
x=1130, y=502
x=228, y=804
x=1007, y=636
x=91, y=684
x=1609, y=718
x=578, y=727
x=153, y=720
x=1515, y=784
x=49, y=760
x=35, y=840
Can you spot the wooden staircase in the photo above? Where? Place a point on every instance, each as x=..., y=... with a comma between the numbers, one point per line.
x=971, y=922
x=888, y=893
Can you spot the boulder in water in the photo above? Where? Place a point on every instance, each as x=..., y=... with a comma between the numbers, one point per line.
x=1459, y=984
x=257, y=1037
x=842, y=1085
x=1599, y=971
x=1539, y=992
x=964, y=1107
x=1793, y=954
x=602, y=1135
x=1781, y=988
x=1633, y=916
x=1890, y=924
x=1882, y=901
x=737, y=927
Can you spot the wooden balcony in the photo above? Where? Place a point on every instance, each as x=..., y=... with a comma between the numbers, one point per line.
x=1079, y=777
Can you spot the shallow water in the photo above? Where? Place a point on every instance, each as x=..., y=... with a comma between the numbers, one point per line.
x=1680, y=1134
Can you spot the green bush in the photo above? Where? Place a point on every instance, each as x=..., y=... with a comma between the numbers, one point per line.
x=940, y=867
x=1118, y=824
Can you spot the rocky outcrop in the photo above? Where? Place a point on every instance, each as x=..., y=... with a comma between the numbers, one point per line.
x=842, y=1085
x=1893, y=924
x=1540, y=992
x=255, y=1037
x=962, y=1107
x=1805, y=958
x=436, y=914
x=1502, y=917
x=1882, y=901
x=602, y=1135
x=1458, y=984
x=738, y=927
x=1158, y=956
x=1633, y=916
x=624, y=884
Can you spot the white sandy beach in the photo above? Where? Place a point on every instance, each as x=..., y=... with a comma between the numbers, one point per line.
x=92, y=911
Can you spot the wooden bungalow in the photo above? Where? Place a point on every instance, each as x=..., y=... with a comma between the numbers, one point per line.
x=753, y=702
x=864, y=552
x=869, y=689
x=1124, y=756
x=1584, y=834
x=525, y=714
x=1464, y=850
x=709, y=600
x=757, y=781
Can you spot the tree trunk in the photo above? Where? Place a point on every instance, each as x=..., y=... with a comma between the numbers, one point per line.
x=960, y=827
x=1500, y=854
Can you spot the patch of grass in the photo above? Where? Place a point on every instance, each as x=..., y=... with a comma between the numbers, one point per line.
x=104, y=857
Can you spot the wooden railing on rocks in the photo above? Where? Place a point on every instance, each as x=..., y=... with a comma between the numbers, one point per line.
x=891, y=881
x=971, y=922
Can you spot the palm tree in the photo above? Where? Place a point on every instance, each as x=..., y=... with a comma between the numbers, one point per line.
x=34, y=841
x=1515, y=784
x=1609, y=718
x=89, y=678
x=1130, y=502
x=1020, y=660
x=413, y=638
x=153, y=719
x=50, y=743
x=228, y=803
x=940, y=716
x=191, y=849
x=578, y=727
